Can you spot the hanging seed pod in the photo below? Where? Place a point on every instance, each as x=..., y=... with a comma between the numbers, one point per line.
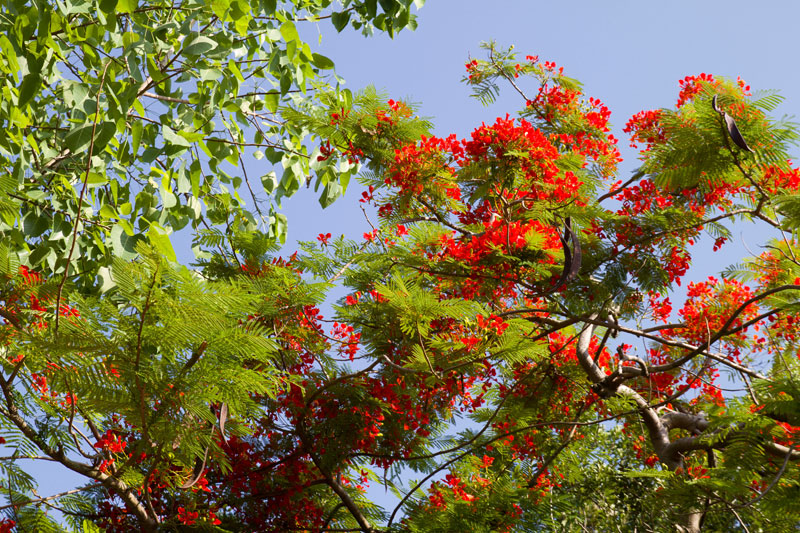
x=576, y=250
x=736, y=135
x=730, y=125
x=714, y=105
x=223, y=417
x=197, y=473
x=572, y=258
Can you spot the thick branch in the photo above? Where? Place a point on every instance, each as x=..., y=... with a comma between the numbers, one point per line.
x=659, y=433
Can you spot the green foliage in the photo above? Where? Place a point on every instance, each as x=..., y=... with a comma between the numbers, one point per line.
x=699, y=152
x=480, y=345
x=127, y=121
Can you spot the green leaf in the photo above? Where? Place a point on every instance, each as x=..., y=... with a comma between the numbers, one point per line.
x=279, y=226
x=168, y=199
x=136, y=136
x=40, y=253
x=79, y=138
x=127, y=6
x=96, y=179
x=221, y=8
x=270, y=182
x=34, y=225
x=106, y=284
x=127, y=227
x=192, y=136
x=199, y=46
x=322, y=62
x=107, y=211
x=123, y=245
x=289, y=32
x=331, y=192
x=240, y=13
x=29, y=88
x=108, y=6
x=9, y=56
x=271, y=100
x=161, y=242
x=173, y=138
x=340, y=20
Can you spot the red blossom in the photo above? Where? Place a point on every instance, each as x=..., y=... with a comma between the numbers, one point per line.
x=111, y=442
x=323, y=238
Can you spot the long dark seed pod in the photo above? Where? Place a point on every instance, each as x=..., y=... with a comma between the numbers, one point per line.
x=730, y=125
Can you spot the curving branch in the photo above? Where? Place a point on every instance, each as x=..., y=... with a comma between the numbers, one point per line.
x=659, y=433
x=669, y=452
x=116, y=486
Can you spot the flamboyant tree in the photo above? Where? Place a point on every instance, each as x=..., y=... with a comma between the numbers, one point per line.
x=506, y=356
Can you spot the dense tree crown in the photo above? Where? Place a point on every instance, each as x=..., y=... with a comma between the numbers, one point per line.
x=506, y=356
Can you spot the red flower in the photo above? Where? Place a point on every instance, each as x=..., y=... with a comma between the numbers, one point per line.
x=111, y=442
x=187, y=517
x=323, y=238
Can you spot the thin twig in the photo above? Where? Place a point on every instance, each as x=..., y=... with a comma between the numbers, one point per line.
x=80, y=198
x=48, y=498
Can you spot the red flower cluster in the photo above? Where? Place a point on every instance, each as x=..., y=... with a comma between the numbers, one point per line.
x=111, y=442
x=691, y=86
x=710, y=305
x=645, y=127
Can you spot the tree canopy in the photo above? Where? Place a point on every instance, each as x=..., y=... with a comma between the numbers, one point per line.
x=506, y=356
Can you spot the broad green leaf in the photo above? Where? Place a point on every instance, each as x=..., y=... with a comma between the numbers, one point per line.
x=9, y=56
x=127, y=227
x=106, y=284
x=123, y=245
x=96, y=179
x=40, y=253
x=199, y=46
x=136, y=136
x=340, y=20
x=29, y=88
x=270, y=182
x=191, y=136
x=173, y=138
x=34, y=225
x=279, y=226
x=289, y=32
x=107, y=211
x=331, y=192
x=161, y=242
x=322, y=62
x=271, y=100
x=108, y=7
x=127, y=6
x=168, y=198
x=220, y=8
x=78, y=139
x=129, y=38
